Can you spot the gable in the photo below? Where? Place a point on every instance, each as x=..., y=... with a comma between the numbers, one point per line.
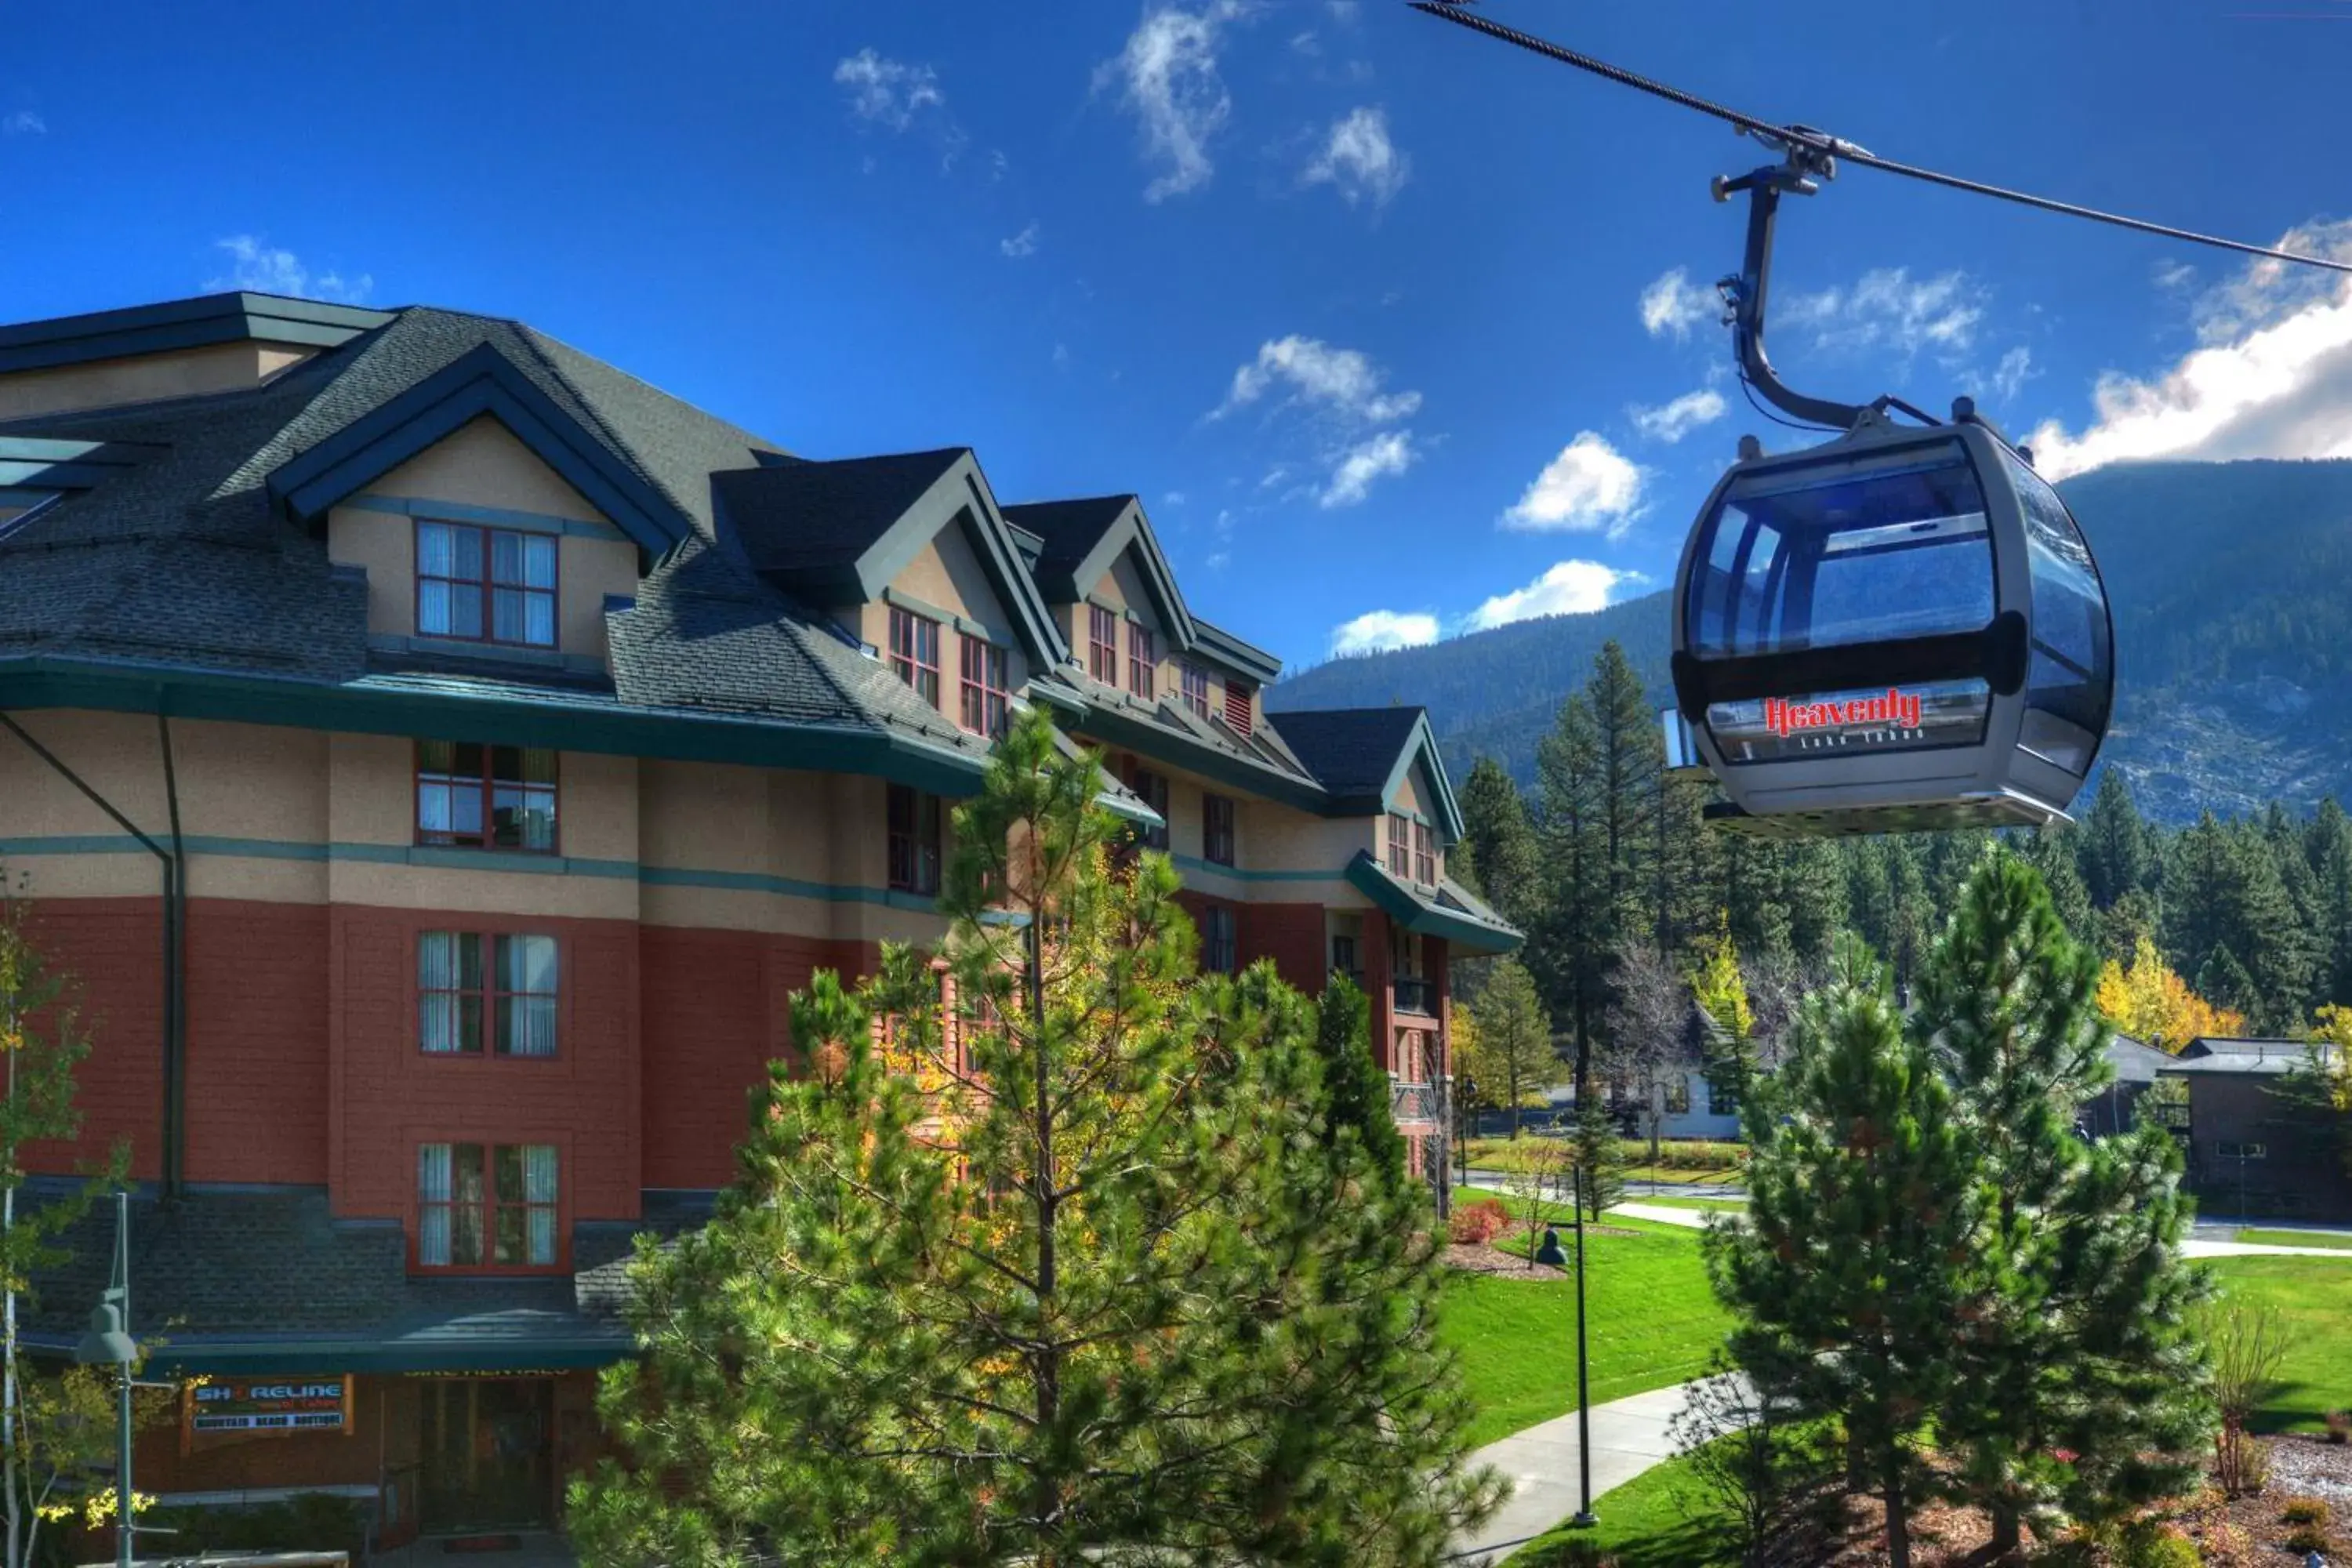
x=946, y=579
x=484, y=464
x=1122, y=587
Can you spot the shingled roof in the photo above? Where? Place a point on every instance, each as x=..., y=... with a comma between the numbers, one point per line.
x=1351, y=750
x=1067, y=532
x=801, y=514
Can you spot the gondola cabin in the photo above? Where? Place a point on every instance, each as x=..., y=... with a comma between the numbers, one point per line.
x=1902, y=630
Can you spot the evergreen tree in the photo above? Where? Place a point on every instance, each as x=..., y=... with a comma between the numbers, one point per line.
x=1498, y=841
x=1072, y=1276
x=1355, y=1088
x=2234, y=924
x=1568, y=947
x=2327, y=849
x=1750, y=891
x=1858, y=1248
x=1812, y=890
x=1510, y=1053
x=1599, y=1156
x=2112, y=851
x=1630, y=753
x=2074, y=1365
x=2051, y=853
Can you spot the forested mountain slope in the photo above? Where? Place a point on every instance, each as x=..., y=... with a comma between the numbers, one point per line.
x=2232, y=586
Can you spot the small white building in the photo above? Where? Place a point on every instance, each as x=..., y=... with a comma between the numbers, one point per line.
x=1691, y=1105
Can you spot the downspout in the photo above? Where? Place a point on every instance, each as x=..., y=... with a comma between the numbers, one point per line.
x=174, y=990
x=175, y=932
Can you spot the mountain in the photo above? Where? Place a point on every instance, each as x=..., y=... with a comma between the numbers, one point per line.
x=2231, y=590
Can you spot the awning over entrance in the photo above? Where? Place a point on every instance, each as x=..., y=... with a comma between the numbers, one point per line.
x=1447, y=910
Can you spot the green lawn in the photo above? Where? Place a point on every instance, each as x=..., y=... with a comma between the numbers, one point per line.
x=1651, y=1322
x=2313, y=1295
x=1662, y=1518
x=1736, y=1206
x=2335, y=1241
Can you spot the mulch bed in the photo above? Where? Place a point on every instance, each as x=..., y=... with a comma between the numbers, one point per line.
x=2246, y=1532
x=1486, y=1257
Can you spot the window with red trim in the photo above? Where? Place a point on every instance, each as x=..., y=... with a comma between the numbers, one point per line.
x=1152, y=790
x=915, y=652
x=1195, y=688
x=1399, y=847
x=914, y=836
x=484, y=584
x=1102, y=645
x=1218, y=948
x=986, y=694
x=1142, y=660
x=1424, y=855
x=485, y=797
x=1217, y=828
x=487, y=1205
x=479, y=992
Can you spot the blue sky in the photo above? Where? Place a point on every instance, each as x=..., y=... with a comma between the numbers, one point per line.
x=1397, y=330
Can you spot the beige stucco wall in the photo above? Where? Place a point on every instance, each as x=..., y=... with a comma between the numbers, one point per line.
x=1409, y=797
x=145, y=378
x=1286, y=840
x=483, y=465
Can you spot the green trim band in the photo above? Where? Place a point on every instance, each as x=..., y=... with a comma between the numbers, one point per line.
x=964, y=625
x=491, y=516
x=1194, y=864
x=450, y=859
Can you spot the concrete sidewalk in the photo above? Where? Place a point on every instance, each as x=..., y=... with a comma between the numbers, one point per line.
x=1629, y=1436
x=2192, y=1248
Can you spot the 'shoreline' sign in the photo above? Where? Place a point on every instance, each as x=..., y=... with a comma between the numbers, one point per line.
x=1898, y=708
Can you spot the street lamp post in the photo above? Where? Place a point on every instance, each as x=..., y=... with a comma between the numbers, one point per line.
x=1551, y=1255
x=109, y=1344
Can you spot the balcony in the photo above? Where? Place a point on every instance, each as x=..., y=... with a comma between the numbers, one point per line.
x=1413, y=996
x=1410, y=1103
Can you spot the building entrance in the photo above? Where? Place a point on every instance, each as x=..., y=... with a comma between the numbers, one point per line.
x=487, y=1451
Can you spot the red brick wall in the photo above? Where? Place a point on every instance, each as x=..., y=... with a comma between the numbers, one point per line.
x=257, y=1083
x=387, y=1097
x=111, y=950
x=1290, y=934
x=1372, y=953
x=716, y=1012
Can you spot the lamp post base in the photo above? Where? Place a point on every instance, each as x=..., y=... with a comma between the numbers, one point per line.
x=1583, y=1518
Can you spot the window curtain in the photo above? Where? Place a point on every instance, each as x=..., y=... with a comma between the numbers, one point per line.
x=432, y=1197
x=539, y=1191
x=437, y=995
x=527, y=973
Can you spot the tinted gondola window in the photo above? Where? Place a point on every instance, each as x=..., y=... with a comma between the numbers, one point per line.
x=1843, y=553
x=2070, y=676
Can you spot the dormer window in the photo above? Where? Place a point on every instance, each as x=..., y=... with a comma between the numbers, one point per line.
x=1196, y=692
x=985, y=694
x=1142, y=659
x=915, y=653
x=484, y=584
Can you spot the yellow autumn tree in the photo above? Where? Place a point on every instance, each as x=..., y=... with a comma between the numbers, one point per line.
x=1722, y=994
x=2148, y=1002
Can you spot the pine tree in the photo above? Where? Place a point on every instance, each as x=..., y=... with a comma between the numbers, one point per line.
x=1567, y=950
x=2075, y=1365
x=1062, y=1274
x=1599, y=1156
x=1510, y=1054
x=2327, y=847
x=1354, y=1087
x=2112, y=851
x=1859, y=1244
x=1500, y=843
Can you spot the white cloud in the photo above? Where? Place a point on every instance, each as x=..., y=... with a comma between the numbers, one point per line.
x=1219, y=559
x=1674, y=304
x=1167, y=78
x=2272, y=377
x=1571, y=588
x=2173, y=274
x=1670, y=422
x=1358, y=160
x=267, y=270
x=1020, y=245
x=1173, y=497
x=2010, y=377
x=1886, y=309
x=1390, y=452
x=1590, y=485
x=1305, y=43
x=23, y=122
x=1375, y=631
x=1344, y=381
x=886, y=91
x=1345, y=10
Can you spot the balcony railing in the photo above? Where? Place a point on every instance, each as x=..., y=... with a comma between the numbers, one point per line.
x=1414, y=996
x=1412, y=1102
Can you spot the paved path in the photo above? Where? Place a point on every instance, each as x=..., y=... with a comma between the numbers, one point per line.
x=1629, y=1436
x=2193, y=1247
x=1500, y=1180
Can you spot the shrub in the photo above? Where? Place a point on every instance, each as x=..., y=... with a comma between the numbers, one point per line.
x=2304, y=1510
x=2339, y=1425
x=2148, y=1544
x=1480, y=1220
x=2306, y=1538
x=2242, y=1464
x=2230, y=1546
x=309, y=1521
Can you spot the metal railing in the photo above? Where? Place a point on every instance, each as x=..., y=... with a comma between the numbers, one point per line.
x=1414, y=996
